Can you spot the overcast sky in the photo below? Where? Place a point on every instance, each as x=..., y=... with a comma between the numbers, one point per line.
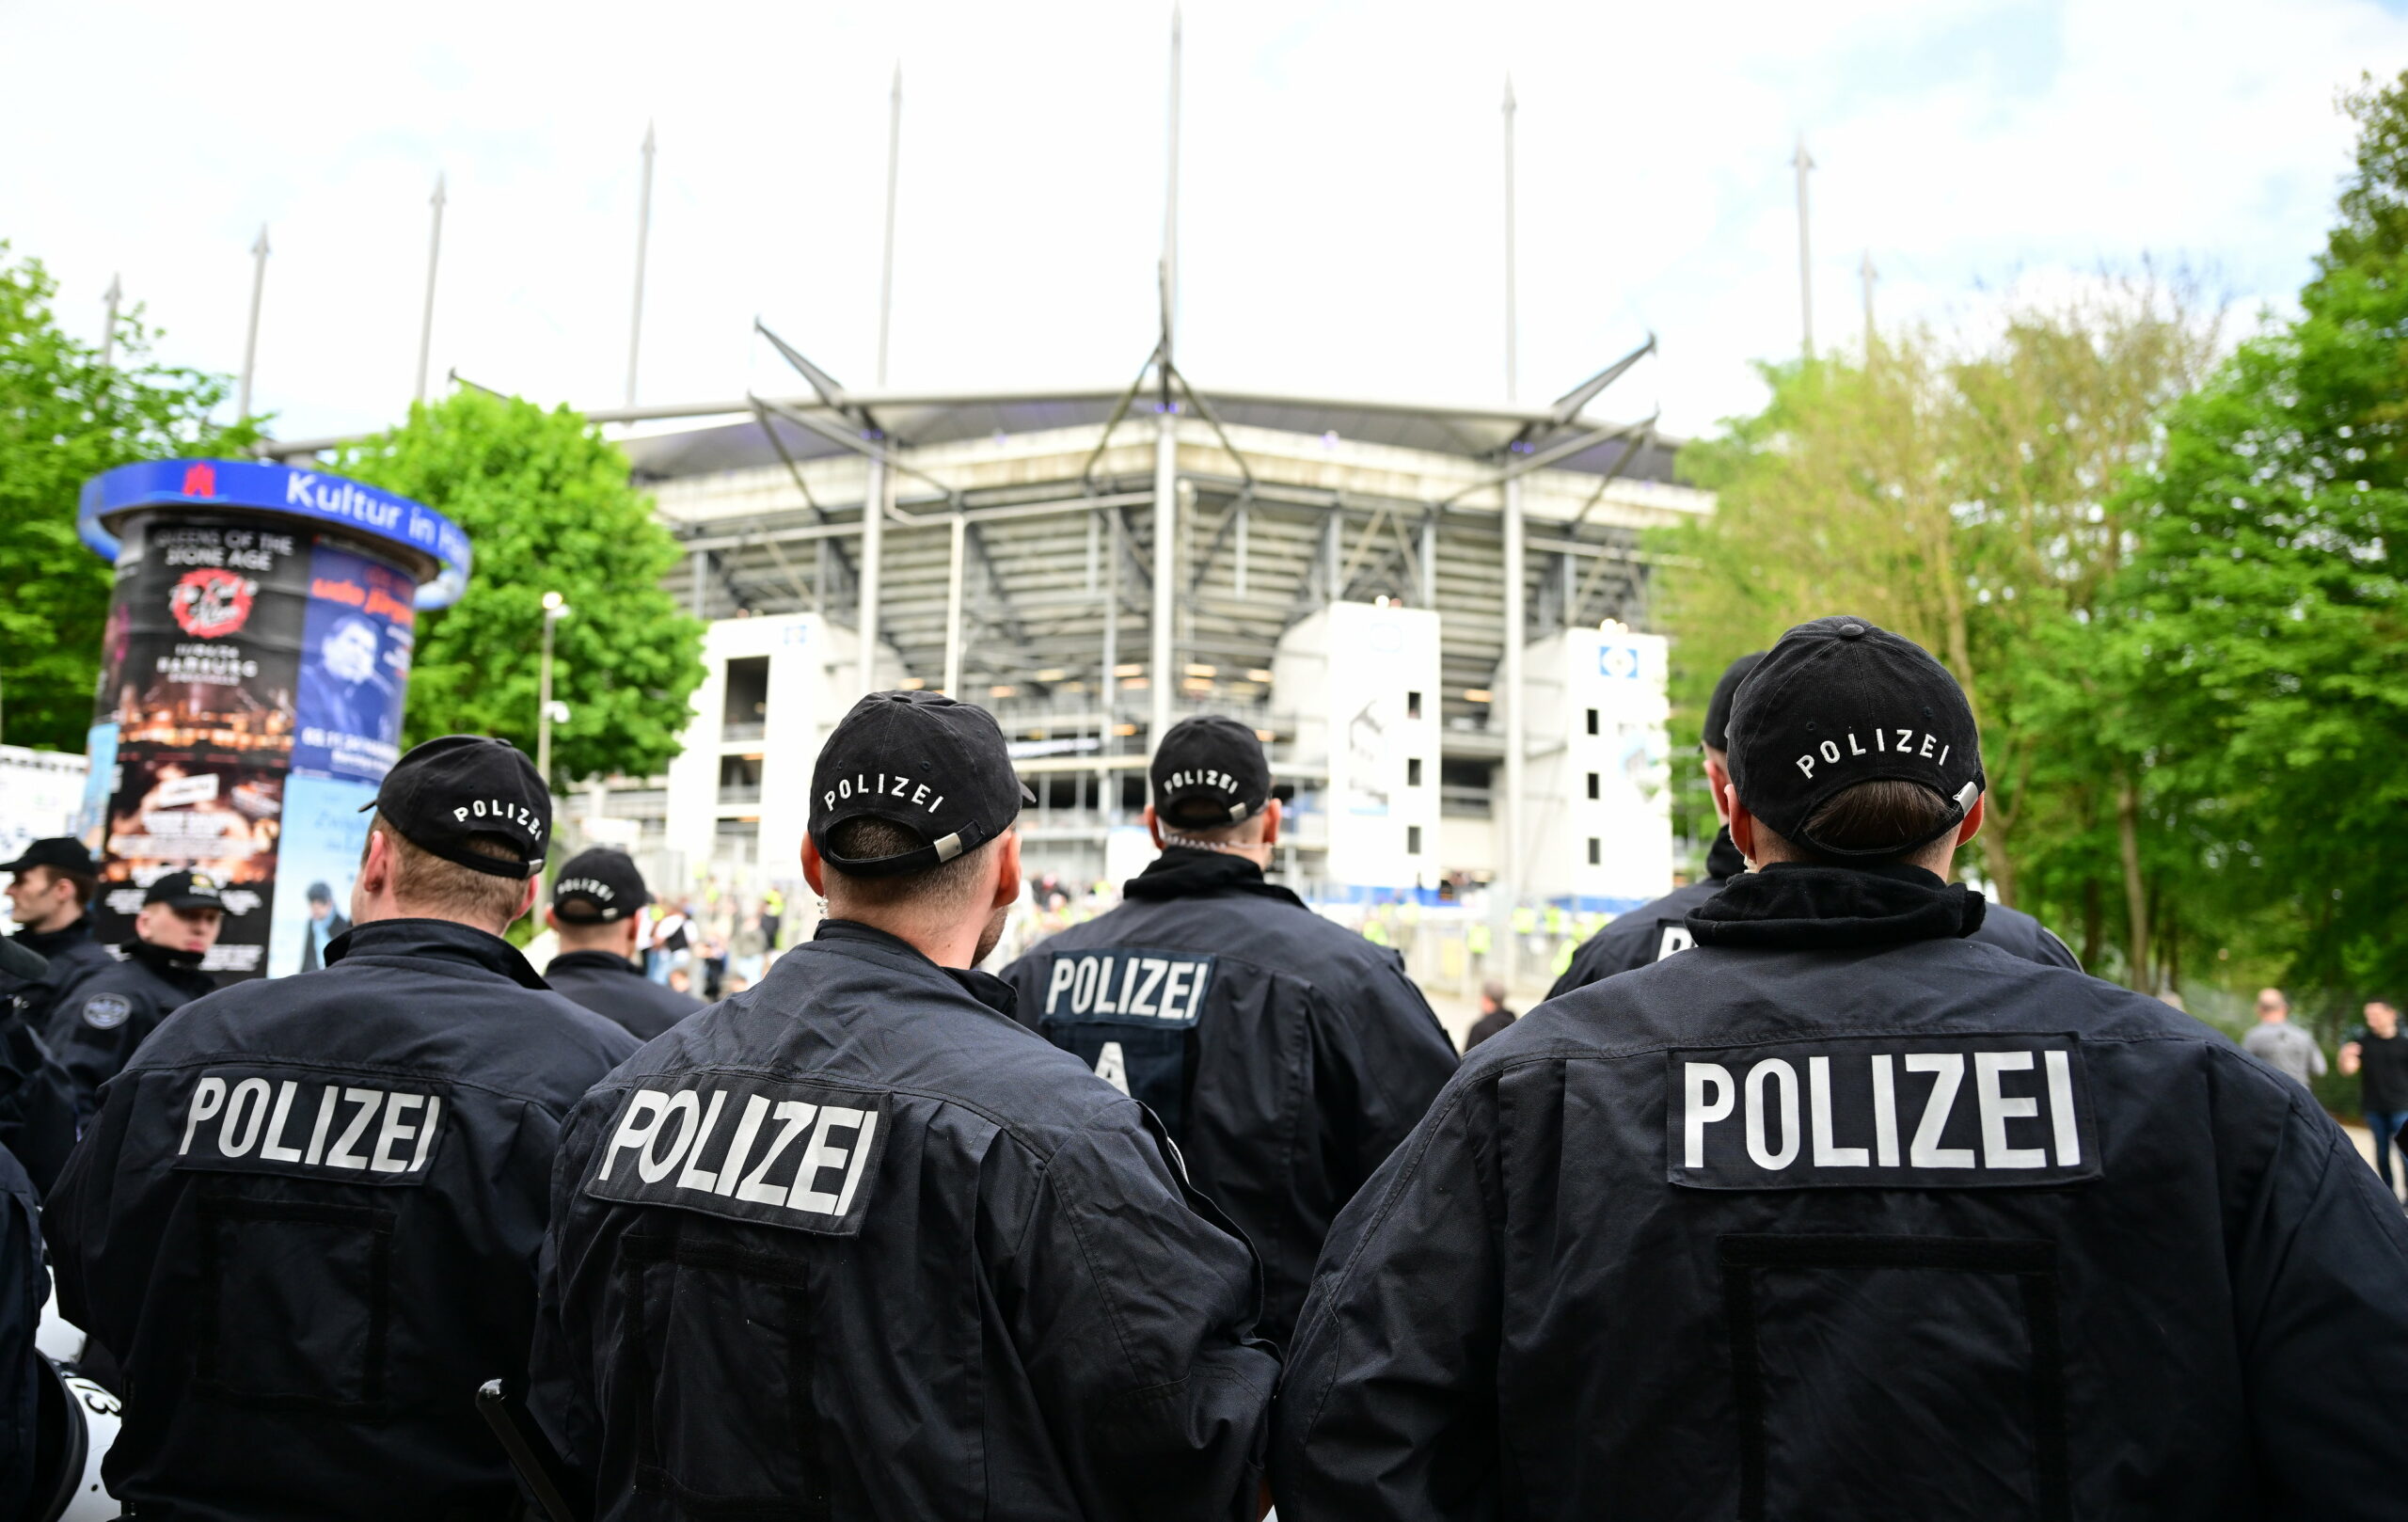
x=1341, y=210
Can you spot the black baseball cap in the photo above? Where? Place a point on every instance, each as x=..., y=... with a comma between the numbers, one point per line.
x=63, y=852
x=1716, y=733
x=1839, y=701
x=597, y=886
x=184, y=890
x=446, y=790
x=923, y=761
x=1209, y=772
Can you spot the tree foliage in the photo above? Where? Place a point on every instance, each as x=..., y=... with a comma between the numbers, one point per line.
x=2260, y=624
x=547, y=500
x=65, y=417
x=1964, y=497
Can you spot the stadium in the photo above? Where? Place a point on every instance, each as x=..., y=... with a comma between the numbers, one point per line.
x=1015, y=565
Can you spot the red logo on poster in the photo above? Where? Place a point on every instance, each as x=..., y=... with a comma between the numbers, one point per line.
x=200, y=480
x=210, y=603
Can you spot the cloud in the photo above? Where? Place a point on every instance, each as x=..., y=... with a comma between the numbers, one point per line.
x=1340, y=213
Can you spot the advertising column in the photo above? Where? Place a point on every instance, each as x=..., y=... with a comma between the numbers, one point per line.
x=257, y=654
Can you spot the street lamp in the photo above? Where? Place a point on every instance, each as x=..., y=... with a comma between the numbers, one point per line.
x=546, y=711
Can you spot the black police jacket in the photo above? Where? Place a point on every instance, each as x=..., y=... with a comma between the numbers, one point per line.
x=1286, y=1055
x=24, y=1286
x=1844, y=1214
x=1654, y=931
x=98, y=1020
x=71, y=953
x=854, y=1244
x=609, y=984
x=307, y=1221
x=37, y=1118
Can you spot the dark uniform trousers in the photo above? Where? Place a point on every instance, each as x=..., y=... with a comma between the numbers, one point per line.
x=854, y=1244
x=1286, y=1055
x=611, y=986
x=1844, y=1214
x=307, y=1221
x=1655, y=931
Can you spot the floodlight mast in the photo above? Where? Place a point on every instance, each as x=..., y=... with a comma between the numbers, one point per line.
x=1509, y=848
x=881, y=484
x=426, y=319
x=1165, y=547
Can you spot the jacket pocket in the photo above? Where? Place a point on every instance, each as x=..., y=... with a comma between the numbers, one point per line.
x=713, y=1436
x=298, y=1303
x=1896, y=1377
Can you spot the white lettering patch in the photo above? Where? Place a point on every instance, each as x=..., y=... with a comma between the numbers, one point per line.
x=1127, y=985
x=1954, y=1111
x=311, y=1125
x=748, y=1148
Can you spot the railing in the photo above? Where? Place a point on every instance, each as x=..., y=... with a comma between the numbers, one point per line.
x=734, y=793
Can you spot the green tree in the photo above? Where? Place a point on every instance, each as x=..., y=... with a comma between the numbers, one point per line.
x=1965, y=497
x=546, y=501
x=2260, y=625
x=65, y=417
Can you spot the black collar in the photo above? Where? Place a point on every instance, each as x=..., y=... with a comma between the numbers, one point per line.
x=985, y=988
x=51, y=942
x=181, y=968
x=594, y=957
x=1184, y=872
x=1722, y=858
x=444, y=940
x=1797, y=904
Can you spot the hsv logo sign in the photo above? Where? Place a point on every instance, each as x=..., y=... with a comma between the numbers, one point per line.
x=212, y=603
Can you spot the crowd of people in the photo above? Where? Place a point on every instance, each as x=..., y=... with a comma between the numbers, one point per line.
x=1820, y=1187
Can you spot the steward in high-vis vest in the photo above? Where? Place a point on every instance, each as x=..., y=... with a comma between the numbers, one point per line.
x=1284, y=1053
x=1846, y=1214
x=854, y=1243
x=306, y=1219
x=1655, y=931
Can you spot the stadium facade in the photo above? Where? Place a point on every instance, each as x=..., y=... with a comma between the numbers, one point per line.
x=1335, y=575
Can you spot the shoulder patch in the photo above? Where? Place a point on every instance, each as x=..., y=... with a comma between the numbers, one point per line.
x=796, y=1155
x=107, y=1011
x=1892, y=1111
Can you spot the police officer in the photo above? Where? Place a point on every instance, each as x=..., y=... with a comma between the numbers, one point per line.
x=1846, y=1214
x=594, y=901
x=1655, y=931
x=23, y=1287
x=307, y=1216
x=37, y=1097
x=51, y=886
x=1285, y=1055
x=854, y=1243
x=98, y=1021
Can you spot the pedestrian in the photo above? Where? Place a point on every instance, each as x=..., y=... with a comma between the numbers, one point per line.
x=307, y=1217
x=1284, y=1056
x=1494, y=1016
x=2281, y=1045
x=98, y=1021
x=597, y=901
x=1846, y=1213
x=322, y=926
x=773, y=916
x=51, y=886
x=2379, y=1054
x=1655, y=931
x=856, y=1243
